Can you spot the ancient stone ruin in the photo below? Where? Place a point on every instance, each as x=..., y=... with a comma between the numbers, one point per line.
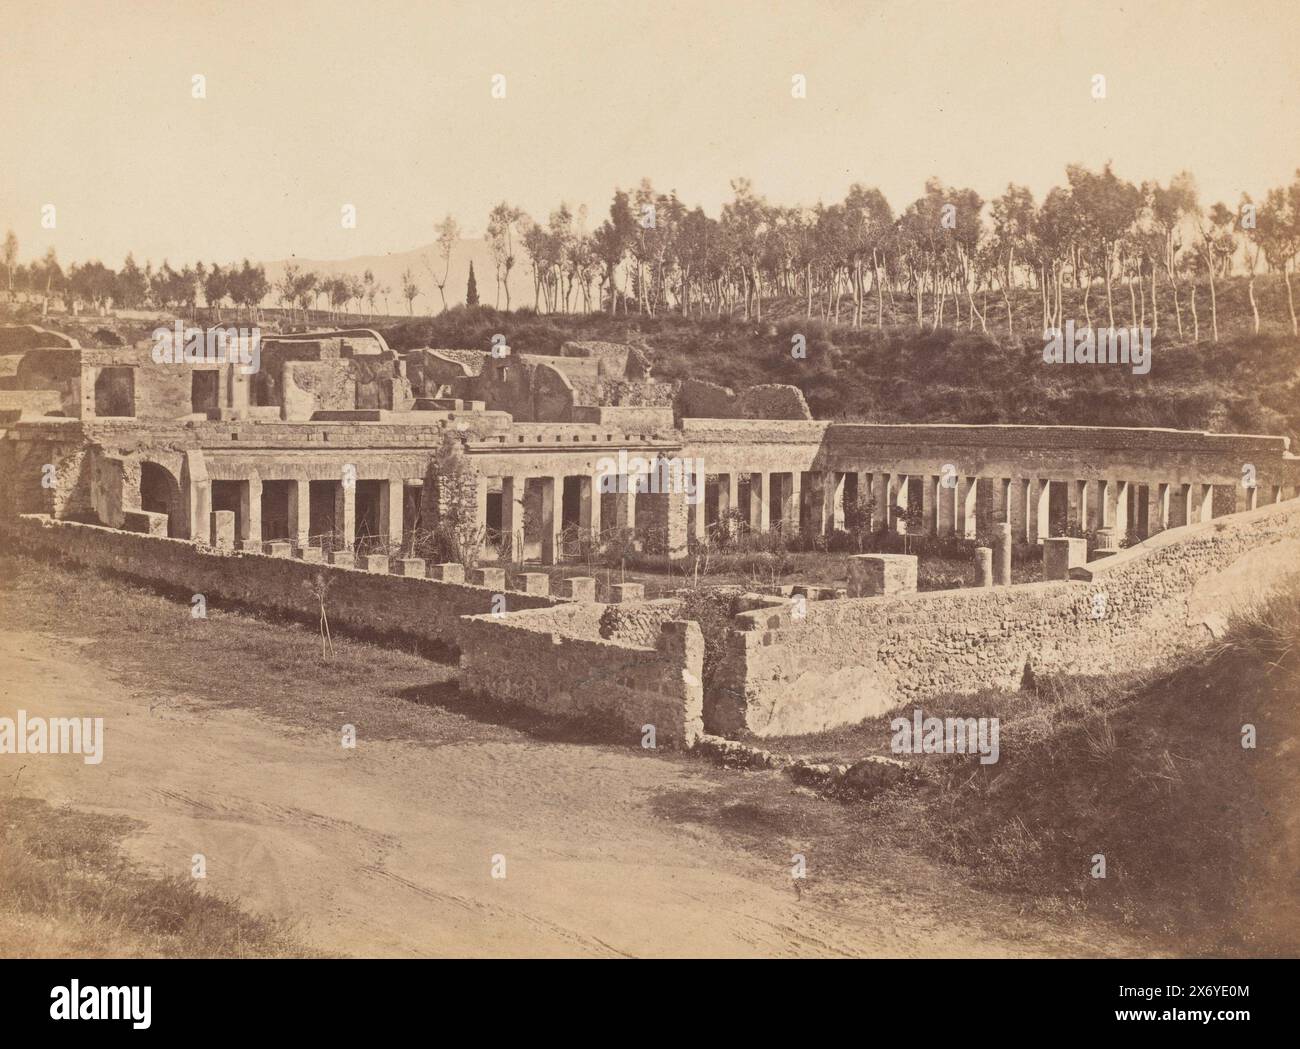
x=429, y=478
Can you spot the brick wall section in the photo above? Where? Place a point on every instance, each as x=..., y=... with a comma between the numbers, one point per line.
x=852, y=659
x=516, y=659
x=399, y=606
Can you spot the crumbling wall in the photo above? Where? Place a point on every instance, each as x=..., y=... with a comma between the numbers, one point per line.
x=846, y=660
x=697, y=399
x=311, y=386
x=28, y=404
x=772, y=401
x=407, y=607
x=46, y=473
x=430, y=370
x=53, y=369
x=640, y=622
x=15, y=338
x=624, y=686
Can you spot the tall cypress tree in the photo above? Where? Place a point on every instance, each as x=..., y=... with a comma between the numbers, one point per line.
x=471, y=290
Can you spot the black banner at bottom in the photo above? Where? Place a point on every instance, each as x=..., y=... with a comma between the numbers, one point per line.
x=337, y=998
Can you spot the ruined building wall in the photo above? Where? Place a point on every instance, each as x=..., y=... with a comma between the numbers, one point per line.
x=425, y=610
x=529, y=390
x=698, y=399
x=851, y=659
x=624, y=686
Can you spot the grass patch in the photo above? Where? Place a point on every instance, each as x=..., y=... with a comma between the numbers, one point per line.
x=69, y=893
x=1148, y=770
x=235, y=659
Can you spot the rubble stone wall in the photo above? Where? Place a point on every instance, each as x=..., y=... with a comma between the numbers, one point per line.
x=626, y=687
x=850, y=659
x=424, y=610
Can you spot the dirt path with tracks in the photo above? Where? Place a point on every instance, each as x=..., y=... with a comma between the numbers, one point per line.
x=388, y=849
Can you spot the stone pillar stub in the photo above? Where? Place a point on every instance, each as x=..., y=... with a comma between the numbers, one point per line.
x=871, y=575
x=1062, y=553
x=1002, y=553
x=494, y=578
x=578, y=588
x=622, y=593
x=448, y=572
x=533, y=583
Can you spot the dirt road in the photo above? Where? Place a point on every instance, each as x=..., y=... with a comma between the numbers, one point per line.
x=388, y=849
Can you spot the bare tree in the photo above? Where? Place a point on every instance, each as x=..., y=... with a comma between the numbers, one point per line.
x=448, y=237
x=409, y=290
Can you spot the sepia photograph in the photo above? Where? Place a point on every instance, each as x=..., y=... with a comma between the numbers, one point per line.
x=689, y=479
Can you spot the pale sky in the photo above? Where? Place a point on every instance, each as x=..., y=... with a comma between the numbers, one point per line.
x=387, y=106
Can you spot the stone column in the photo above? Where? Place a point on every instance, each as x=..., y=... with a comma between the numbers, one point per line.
x=1019, y=510
x=1002, y=500
x=589, y=506
x=1040, y=509
x=512, y=518
x=794, y=502
x=760, y=496
x=984, y=503
x=1110, y=513
x=880, y=493
x=966, y=493
x=983, y=566
x=1180, y=505
x=480, y=513
x=1002, y=554
x=1205, y=507
x=676, y=525
x=1121, y=521
x=552, y=509
x=625, y=501
x=1157, y=507
x=835, y=484
x=726, y=495
x=1091, y=498
x=929, y=521
x=299, y=511
x=822, y=502
x=697, y=511
x=391, y=493
x=345, y=515
x=250, y=511
x=898, y=502
x=947, y=509
x=1100, y=494
x=197, y=489
x=1076, y=513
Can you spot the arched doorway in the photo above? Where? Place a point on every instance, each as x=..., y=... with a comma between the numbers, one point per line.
x=160, y=493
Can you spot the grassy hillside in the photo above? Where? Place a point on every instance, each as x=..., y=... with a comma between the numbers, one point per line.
x=1201, y=835
x=1244, y=383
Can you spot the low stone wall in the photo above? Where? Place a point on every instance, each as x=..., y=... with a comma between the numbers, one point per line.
x=425, y=610
x=638, y=623
x=851, y=659
x=628, y=687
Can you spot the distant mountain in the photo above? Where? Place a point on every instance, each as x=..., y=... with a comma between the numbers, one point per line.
x=388, y=270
